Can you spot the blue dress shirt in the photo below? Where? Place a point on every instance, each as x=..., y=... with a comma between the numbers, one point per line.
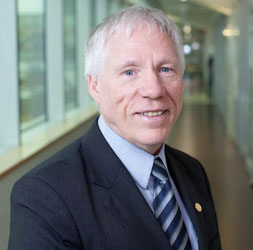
x=139, y=164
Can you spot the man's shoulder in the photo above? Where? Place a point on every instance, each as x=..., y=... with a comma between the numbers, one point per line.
x=67, y=160
x=177, y=153
x=59, y=164
x=181, y=157
x=182, y=163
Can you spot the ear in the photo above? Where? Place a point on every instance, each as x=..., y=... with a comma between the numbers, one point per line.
x=93, y=86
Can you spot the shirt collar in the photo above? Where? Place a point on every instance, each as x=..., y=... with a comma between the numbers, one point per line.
x=138, y=162
x=162, y=156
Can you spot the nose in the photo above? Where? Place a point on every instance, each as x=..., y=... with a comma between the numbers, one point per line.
x=151, y=86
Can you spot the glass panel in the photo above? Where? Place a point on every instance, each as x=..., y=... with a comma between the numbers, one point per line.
x=70, y=72
x=93, y=14
x=251, y=80
x=31, y=62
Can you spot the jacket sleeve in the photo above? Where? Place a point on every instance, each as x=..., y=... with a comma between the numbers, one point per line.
x=40, y=219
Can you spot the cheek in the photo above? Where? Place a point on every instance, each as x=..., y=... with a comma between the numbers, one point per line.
x=179, y=89
x=176, y=91
x=182, y=88
x=180, y=92
x=130, y=101
x=112, y=99
x=123, y=97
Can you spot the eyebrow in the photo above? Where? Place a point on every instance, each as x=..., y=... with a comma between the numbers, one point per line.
x=136, y=62
x=129, y=62
x=166, y=60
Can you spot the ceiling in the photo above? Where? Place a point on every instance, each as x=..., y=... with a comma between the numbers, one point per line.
x=223, y=6
x=200, y=14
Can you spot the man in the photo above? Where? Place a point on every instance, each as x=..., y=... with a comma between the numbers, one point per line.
x=119, y=187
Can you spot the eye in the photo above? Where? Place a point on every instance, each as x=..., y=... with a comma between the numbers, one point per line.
x=129, y=72
x=165, y=69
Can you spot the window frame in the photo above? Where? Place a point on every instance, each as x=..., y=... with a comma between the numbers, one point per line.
x=32, y=123
x=9, y=98
x=17, y=147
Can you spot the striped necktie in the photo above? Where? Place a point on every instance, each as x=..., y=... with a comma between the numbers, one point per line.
x=167, y=210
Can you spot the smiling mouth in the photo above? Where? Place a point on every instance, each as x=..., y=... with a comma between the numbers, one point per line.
x=153, y=113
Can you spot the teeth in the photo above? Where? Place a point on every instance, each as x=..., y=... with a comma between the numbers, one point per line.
x=152, y=114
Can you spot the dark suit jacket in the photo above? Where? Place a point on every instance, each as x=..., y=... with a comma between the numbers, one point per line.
x=84, y=198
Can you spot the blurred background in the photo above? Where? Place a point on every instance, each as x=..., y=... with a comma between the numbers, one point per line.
x=44, y=102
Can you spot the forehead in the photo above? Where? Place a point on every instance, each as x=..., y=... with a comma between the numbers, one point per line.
x=143, y=40
x=137, y=26
x=130, y=35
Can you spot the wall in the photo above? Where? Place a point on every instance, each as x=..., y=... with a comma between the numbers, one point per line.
x=233, y=76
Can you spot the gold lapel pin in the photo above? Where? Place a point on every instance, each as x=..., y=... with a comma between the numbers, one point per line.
x=198, y=207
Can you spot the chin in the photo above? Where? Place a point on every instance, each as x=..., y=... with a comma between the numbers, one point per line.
x=152, y=143
x=156, y=137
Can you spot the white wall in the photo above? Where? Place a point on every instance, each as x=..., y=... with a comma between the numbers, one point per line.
x=234, y=77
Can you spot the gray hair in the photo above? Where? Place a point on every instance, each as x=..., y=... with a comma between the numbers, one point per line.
x=126, y=20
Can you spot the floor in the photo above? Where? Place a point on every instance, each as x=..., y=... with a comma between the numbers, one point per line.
x=200, y=132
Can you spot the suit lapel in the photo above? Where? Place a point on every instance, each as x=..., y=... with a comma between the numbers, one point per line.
x=189, y=194
x=125, y=201
x=128, y=205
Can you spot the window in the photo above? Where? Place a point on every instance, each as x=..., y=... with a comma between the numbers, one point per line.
x=31, y=62
x=70, y=66
x=94, y=14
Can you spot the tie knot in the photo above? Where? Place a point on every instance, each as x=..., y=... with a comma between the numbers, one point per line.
x=159, y=170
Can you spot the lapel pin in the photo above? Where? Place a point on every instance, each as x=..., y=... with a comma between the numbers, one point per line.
x=198, y=207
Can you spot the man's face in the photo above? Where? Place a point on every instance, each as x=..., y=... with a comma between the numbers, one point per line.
x=141, y=88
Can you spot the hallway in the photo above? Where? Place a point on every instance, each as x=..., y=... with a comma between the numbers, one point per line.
x=200, y=132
